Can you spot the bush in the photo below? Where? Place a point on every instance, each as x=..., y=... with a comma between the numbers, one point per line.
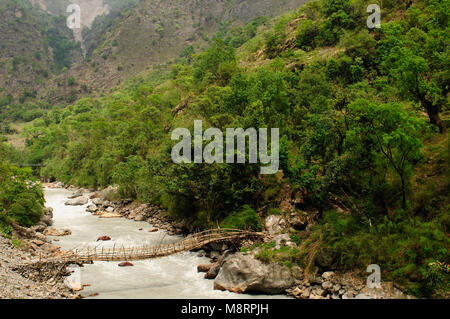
x=21, y=200
x=246, y=218
x=404, y=248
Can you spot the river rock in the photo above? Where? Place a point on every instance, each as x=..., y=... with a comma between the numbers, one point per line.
x=110, y=215
x=37, y=242
x=104, y=238
x=92, y=208
x=55, y=185
x=274, y=224
x=204, y=267
x=57, y=232
x=126, y=264
x=214, y=255
x=327, y=285
x=213, y=271
x=348, y=295
x=48, y=211
x=47, y=219
x=139, y=218
x=79, y=201
x=50, y=248
x=73, y=286
x=110, y=209
x=299, y=222
x=40, y=227
x=97, y=201
x=76, y=194
x=93, y=195
x=243, y=273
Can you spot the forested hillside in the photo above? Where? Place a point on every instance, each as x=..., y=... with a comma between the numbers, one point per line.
x=362, y=116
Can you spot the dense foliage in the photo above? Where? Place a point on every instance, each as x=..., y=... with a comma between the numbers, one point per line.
x=21, y=197
x=355, y=108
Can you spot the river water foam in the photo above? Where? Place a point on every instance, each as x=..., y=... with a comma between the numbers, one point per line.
x=173, y=277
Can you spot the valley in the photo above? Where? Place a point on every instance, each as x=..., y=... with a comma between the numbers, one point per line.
x=360, y=159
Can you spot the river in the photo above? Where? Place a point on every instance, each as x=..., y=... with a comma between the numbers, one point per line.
x=172, y=277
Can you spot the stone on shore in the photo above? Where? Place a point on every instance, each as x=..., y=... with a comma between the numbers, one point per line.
x=242, y=273
x=110, y=215
x=275, y=224
x=92, y=208
x=73, y=286
x=57, y=232
x=79, y=201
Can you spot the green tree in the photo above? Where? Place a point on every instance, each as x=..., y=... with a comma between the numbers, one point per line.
x=394, y=133
x=415, y=80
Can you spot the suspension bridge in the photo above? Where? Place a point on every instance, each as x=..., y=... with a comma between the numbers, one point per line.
x=189, y=243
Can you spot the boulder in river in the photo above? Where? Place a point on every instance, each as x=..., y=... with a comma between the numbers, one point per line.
x=104, y=238
x=242, y=273
x=213, y=271
x=204, y=267
x=79, y=201
x=76, y=194
x=126, y=264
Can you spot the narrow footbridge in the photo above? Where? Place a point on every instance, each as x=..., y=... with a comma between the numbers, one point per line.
x=191, y=242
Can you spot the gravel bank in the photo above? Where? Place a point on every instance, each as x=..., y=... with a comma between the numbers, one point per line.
x=14, y=286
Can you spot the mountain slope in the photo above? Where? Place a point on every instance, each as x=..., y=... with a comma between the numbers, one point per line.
x=33, y=49
x=154, y=32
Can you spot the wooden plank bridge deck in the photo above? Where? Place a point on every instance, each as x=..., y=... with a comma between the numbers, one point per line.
x=192, y=242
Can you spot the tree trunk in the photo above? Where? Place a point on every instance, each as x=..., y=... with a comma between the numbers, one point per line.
x=402, y=177
x=433, y=114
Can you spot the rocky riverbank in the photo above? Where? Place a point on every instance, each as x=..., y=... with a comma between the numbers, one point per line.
x=15, y=286
x=244, y=272
x=102, y=204
x=241, y=272
x=29, y=244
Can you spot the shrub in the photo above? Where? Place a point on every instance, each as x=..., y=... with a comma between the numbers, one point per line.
x=246, y=218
